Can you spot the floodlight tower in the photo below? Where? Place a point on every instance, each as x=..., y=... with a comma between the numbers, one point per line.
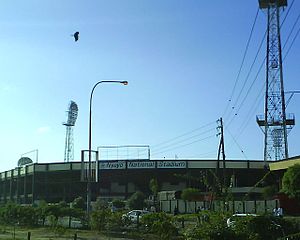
x=275, y=123
x=69, y=145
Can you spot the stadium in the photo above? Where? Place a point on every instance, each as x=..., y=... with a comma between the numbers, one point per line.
x=54, y=182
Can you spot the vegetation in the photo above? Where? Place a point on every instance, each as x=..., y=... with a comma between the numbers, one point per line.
x=161, y=224
x=190, y=194
x=119, y=204
x=79, y=203
x=203, y=225
x=212, y=226
x=269, y=191
x=291, y=182
x=137, y=200
x=153, y=185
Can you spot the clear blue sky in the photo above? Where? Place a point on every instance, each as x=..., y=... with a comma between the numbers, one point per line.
x=181, y=59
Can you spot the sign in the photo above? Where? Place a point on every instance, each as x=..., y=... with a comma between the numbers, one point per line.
x=115, y=165
x=112, y=165
x=171, y=164
x=141, y=164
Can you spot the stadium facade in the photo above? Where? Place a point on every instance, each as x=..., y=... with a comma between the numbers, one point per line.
x=54, y=182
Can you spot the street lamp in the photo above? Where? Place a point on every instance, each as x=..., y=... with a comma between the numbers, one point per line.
x=90, y=143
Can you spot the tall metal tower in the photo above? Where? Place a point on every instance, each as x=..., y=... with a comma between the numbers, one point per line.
x=275, y=123
x=69, y=144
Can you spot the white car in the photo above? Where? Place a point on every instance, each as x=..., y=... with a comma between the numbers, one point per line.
x=230, y=221
x=134, y=215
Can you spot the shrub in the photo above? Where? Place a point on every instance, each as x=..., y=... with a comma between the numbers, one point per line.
x=190, y=194
x=137, y=200
x=160, y=224
x=118, y=203
x=79, y=203
x=115, y=222
x=212, y=226
x=99, y=219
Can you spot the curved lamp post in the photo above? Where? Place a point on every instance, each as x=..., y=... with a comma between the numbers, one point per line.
x=90, y=142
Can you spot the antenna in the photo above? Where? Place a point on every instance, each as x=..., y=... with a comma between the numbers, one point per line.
x=69, y=142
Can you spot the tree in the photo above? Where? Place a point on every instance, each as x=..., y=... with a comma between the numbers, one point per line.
x=190, y=194
x=10, y=213
x=41, y=211
x=118, y=203
x=58, y=210
x=99, y=219
x=269, y=191
x=79, y=203
x=161, y=224
x=153, y=185
x=291, y=182
x=137, y=200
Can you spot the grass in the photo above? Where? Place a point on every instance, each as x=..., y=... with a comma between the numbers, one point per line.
x=21, y=233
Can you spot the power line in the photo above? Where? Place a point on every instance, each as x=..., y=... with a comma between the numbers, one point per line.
x=260, y=68
x=184, y=140
x=242, y=63
x=249, y=72
x=252, y=84
x=255, y=104
x=182, y=135
x=242, y=151
x=287, y=13
x=181, y=146
x=202, y=154
x=296, y=35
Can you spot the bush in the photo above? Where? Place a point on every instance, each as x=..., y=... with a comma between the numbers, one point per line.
x=190, y=194
x=160, y=224
x=27, y=216
x=212, y=226
x=137, y=200
x=79, y=203
x=115, y=222
x=99, y=219
x=117, y=203
x=264, y=227
x=12, y=213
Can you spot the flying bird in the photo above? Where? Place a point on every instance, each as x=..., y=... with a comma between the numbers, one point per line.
x=76, y=36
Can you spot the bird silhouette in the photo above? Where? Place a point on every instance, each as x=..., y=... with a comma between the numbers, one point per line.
x=76, y=36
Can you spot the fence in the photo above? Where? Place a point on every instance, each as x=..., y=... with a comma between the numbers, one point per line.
x=254, y=206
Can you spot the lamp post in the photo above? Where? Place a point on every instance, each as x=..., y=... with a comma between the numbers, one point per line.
x=88, y=202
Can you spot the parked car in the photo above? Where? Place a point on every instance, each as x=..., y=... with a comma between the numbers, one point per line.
x=230, y=221
x=133, y=215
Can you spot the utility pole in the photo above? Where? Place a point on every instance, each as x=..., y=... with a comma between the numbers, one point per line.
x=221, y=149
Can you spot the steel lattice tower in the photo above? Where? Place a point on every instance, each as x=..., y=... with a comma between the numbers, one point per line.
x=69, y=143
x=275, y=123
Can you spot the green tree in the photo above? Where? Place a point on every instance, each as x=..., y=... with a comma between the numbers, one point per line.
x=100, y=204
x=56, y=211
x=291, y=182
x=269, y=191
x=79, y=203
x=137, y=200
x=211, y=227
x=41, y=211
x=99, y=219
x=190, y=194
x=161, y=224
x=27, y=216
x=10, y=213
x=118, y=203
x=153, y=185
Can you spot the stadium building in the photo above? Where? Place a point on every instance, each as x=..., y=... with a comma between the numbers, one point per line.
x=54, y=182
